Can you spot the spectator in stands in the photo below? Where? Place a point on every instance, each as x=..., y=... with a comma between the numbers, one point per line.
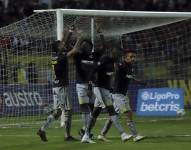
x=21, y=73
x=30, y=7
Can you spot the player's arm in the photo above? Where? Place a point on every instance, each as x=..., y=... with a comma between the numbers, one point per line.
x=103, y=45
x=136, y=80
x=67, y=33
x=76, y=48
x=102, y=39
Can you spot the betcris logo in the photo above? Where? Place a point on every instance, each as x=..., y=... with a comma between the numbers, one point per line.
x=159, y=101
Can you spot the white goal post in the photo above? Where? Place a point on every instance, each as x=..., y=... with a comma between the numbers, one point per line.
x=106, y=13
x=162, y=41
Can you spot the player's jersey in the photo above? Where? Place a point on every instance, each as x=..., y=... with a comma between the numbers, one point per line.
x=123, y=75
x=104, y=72
x=60, y=67
x=85, y=64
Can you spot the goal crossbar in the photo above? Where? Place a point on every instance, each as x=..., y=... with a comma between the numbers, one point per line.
x=119, y=13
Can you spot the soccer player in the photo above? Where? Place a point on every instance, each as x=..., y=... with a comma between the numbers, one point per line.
x=104, y=72
x=85, y=62
x=60, y=90
x=123, y=75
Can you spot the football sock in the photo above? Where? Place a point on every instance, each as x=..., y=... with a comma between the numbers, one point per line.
x=62, y=119
x=132, y=127
x=49, y=120
x=90, y=125
x=106, y=127
x=85, y=119
x=68, y=123
x=117, y=124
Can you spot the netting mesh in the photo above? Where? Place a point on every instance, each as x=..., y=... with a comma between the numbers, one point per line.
x=165, y=47
x=25, y=54
x=162, y=44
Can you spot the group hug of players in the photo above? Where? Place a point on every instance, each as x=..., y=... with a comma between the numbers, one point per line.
x=95, y=70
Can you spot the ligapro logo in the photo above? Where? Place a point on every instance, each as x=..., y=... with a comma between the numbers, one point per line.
x=146, y=95
x=159, y=101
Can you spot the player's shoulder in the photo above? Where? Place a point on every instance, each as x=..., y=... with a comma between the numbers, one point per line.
x=103, y=57
x=82, y=55
x=106, y=59
x=97, y=54
x=120, y=63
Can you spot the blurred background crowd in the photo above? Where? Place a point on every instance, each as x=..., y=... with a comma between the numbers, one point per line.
x=14, y=10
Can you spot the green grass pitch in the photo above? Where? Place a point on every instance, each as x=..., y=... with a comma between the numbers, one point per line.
x=162, y=134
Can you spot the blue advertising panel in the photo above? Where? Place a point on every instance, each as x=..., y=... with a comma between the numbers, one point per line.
x=18, y=100
x=32, y=99
x=159, y=101
x=29, y=99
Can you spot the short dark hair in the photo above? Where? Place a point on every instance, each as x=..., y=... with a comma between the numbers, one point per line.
x=126, y=51
x=88, y=41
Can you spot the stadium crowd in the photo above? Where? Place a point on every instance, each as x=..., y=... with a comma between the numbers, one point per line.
x=14, y=10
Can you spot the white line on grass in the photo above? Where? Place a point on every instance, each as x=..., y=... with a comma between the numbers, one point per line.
x=31, y=124
x=32, y=135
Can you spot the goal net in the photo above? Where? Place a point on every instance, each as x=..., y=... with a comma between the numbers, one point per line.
x=162, y=41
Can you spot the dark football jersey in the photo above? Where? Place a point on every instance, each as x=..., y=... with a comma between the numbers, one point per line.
x=85, y=65
x=60, y=67
x=104, y=72
x=123, y=75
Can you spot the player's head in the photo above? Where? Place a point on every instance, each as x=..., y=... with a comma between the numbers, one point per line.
x=86, y=46
x=58, y=47
x=130, y=56
x=115, y=52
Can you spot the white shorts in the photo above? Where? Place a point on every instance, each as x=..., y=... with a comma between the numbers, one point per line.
x=83, y=94
x=121, y=103
x=103, y=97
x=61, y=98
